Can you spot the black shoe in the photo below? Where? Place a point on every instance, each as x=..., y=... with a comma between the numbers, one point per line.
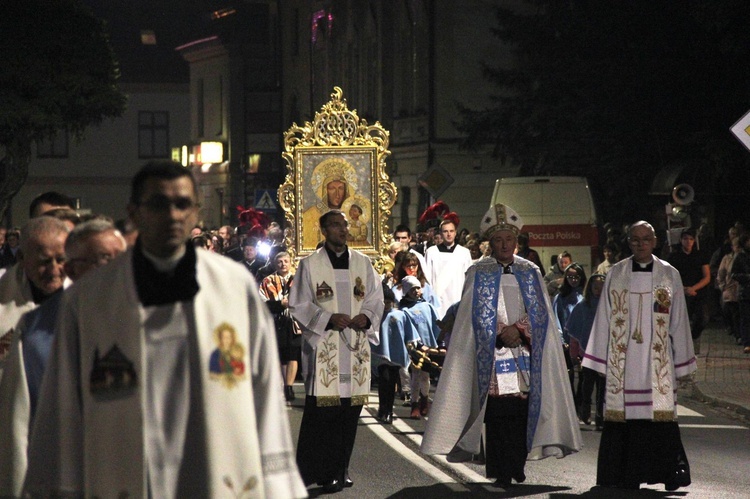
x=680, y=478
x=502, y=483
x=332, y=486
x=520, y=478
x=388, y=418
x=289, y=393
x=347, y=481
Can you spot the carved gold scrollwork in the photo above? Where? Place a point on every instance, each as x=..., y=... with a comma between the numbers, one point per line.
x=337, y=145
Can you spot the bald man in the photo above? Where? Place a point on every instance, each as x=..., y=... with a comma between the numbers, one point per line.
x=89, y=246
x=37, y=275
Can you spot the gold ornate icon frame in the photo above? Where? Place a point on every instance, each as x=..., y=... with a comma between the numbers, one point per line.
x=337, y=161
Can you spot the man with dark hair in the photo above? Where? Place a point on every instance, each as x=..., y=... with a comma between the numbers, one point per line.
x=150, y=383
x=693, y=266
x=49, y=201
x=252, y=261
x=338, y=299
x=556, y=275
x=446, y=266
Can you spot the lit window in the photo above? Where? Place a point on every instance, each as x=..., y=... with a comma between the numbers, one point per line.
x=148, y=37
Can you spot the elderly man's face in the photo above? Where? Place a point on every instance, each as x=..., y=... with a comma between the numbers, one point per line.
x=336, y=193
x=642, y=243
x=503, y=243
x=97, y=250
x=43, y=261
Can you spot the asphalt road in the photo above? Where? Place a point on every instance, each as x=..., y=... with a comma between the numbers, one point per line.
x=387, y=463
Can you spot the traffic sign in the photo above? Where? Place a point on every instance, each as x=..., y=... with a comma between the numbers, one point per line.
x=265, y=199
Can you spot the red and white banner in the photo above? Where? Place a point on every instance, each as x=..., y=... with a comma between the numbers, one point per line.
x=562, y=235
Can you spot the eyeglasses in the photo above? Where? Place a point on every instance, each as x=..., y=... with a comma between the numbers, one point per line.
x=573, y=277
x=161, y=203
x=411, y=266
x=636, y=241
x=97, y=260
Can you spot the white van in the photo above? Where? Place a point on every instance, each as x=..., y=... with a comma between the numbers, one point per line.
x=557, y=212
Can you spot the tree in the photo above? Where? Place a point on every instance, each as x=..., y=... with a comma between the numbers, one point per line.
x=58, y=72
x=616, y=91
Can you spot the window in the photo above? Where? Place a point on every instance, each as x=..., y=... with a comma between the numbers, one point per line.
x=53, y=147
x=153, y=134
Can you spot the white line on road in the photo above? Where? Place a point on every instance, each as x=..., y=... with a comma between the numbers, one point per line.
x=408, y=454
x=715, y=426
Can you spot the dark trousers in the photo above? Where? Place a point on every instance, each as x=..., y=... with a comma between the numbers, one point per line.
x=388, y=379
x=731, y=312
x=698, y=313
x=592, y=380
x=326, y=440
x=505, y=420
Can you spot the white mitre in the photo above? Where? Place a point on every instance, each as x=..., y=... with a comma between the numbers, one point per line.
x=500, y=217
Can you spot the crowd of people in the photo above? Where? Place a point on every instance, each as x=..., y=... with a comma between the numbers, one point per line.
x=517, y=349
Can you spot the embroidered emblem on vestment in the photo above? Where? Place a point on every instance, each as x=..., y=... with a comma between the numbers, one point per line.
x=226, y=363
x=359, y=289
x=249, y=485
x=323, y=292
x=112, y=375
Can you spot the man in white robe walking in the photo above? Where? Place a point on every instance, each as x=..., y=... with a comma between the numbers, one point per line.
x=504, y=369
x=338, y=299
x=446, y=265
x=36, y=277
x=163, y=380
x=87, y=247
x=641, y=342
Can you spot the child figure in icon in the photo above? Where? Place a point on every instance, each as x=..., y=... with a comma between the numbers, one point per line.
x=226, y=362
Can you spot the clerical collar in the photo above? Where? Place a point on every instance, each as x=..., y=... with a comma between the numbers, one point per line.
x=161, y=287
x=167, y=264
x=506, y=268
x=338, y=260
x=445, y=249
x=38, y=295
x=643, y=267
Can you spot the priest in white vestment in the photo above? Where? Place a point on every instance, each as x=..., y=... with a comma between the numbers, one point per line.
x=88, y=246
x=446, y=265
x=164, y=377
x=505, y=368
x=641, y=342
x=338, y=299
x=36, y=276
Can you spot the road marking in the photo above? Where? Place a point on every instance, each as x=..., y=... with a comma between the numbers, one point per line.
x=408, y=454
x=715, y=426
x=684, y=411
x=467, y=474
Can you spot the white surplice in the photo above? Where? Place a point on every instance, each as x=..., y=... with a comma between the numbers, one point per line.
x=446, y=273
x=179, y=428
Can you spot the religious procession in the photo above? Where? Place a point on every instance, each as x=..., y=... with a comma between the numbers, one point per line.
x=207, y=339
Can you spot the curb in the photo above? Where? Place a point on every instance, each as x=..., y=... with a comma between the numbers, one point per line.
x=696, y=394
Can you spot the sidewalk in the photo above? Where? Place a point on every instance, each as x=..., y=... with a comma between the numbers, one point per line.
x=723, y=376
